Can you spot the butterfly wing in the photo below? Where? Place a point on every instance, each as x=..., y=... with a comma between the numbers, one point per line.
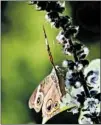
x=53, y=104
x=51, y=101
x=48, y=97
x=37, y=97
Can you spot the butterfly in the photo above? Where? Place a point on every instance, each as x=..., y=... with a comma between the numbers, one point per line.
x=49, y=94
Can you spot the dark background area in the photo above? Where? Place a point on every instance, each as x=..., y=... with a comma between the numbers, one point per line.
x=86, y=14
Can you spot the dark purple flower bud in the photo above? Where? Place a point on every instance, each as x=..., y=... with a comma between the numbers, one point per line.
x=33, y=2
x=84, y=62
x=41, y=5
x=77, y=46
x=52, y=16
x=81, y=64
x=54, y=6
x=72, y=30
x=82, y=53
x=67, y=49
x=71, y=64
x=64, y=21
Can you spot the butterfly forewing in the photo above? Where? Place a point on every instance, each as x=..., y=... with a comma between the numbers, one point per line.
x=37, y=97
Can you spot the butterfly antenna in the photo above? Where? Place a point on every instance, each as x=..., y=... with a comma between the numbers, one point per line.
x=61, y=80
x=48, y=49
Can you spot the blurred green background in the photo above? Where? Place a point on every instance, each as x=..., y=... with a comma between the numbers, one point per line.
x=25, y=60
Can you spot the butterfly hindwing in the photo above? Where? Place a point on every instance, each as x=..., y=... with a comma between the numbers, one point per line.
x=51, y=104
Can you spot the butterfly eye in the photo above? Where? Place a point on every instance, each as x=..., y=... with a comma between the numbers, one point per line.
x=39, y=99
x=49, y=105
x=56, y=105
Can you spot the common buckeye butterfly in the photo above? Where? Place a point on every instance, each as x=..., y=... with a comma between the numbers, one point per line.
x=49, y=95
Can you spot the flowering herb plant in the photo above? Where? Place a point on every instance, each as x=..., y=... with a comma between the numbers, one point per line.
x=81, y=78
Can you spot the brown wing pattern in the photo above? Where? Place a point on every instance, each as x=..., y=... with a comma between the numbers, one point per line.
x=37, y=97
x=51, y=104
